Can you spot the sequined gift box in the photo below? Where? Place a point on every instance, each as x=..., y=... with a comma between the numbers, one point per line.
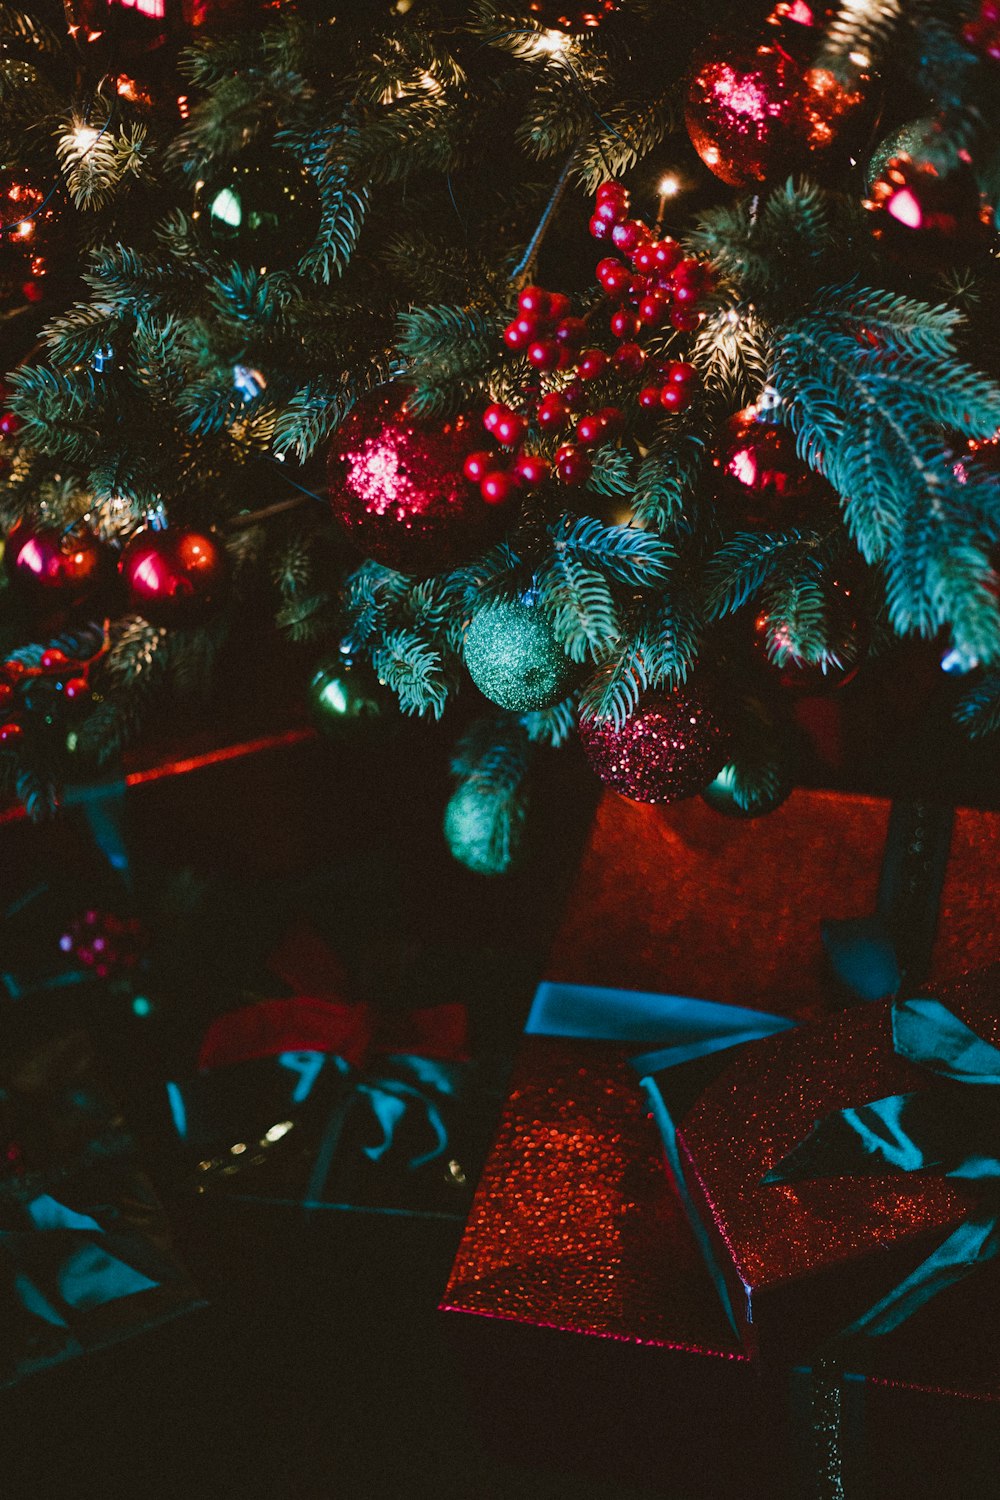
x=803, y=1259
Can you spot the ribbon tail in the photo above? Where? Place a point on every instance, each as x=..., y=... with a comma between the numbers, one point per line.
x=973, y=1243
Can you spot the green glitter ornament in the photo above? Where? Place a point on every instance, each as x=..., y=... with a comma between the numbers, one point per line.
x=514, y=658
x=482, y=832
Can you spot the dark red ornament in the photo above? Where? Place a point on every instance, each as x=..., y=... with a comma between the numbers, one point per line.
x=760, y=478
x=671, y=747
x=397, y=486
x=758, y=105
x=104, y=942
x=841, y=660
x=923, y=195
x=55, y=568
x=175, y=576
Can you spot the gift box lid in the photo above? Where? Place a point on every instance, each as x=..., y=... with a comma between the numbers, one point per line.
x=857, y=1234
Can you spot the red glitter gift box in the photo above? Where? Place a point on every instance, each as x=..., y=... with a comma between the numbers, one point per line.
x=576, y=1225
x=803, y=1259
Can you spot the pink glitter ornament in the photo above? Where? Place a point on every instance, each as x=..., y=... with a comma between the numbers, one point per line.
x=673, y=745
x=397, y=486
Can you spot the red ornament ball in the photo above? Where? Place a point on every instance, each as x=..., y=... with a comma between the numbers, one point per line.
x=840, y=660
x=758, y=106
x=673, y=745
x=175, y=576
x=760, y=479
x=923, y=194
x=54, y=567
x=398, y=489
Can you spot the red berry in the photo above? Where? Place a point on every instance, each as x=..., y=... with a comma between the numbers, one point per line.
x=53, y=660
x=592, y=362
x=531, y=468
x=76, y=687
x=615, y=280
x=514, y=336
x=614, y=420
x=33, y=290
x=624, y=324
x=10, y=731
x=567, y=358
x=13, y=670
x=6, y=694
x=666, y=254
x=675, y=397
x=600, y=229
x=688, y=272
x=553, y=410
x=609, y=209
x=492, y=415
x=544, y=354
x=653, y=310
x=679, y=372
x=535, y=301
x=572, y=464
x=613, y=192
x=643, y=258
x=571, y=332
x=10, y=423
x=510, y=429
x=629, y=358
x=685, y=319
x=575, y=395
x=560, y=306
x=686, y=294
x=497, y=488
x=649, y=397
x=591, y=430
x=477, y=466
x=629, y=235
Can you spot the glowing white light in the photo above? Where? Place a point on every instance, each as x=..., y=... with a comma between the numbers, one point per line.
x=277, y=1131
x=551, y=42
x=670, y=186
x=85, y=136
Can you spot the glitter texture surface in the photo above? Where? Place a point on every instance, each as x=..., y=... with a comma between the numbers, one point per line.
x=515, y=660
x=684, y=901
x=671, y=747
x=757, y=108
x=860, y=1234
x=575, y=1224
x=397, y=488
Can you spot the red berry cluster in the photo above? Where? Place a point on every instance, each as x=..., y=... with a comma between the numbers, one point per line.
x=983, y=34
x=660, y=285
x=65, y=675
x=104, y=942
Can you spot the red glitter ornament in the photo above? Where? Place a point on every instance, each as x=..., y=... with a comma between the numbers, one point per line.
x=50, y=566
x=671, y=747
x=758, y=106
x=760, y=478
x=397, y=486
x=174, y=576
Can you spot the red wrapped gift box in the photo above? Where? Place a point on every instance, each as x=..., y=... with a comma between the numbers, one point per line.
x=805, y=1258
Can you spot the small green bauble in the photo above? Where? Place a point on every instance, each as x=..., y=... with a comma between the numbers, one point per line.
x=262, y=210
x=514, y=658
x=726, y=795
x=345, y=696
x=478, y=838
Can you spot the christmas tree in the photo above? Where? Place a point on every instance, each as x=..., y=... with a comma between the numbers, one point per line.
x=630, y=366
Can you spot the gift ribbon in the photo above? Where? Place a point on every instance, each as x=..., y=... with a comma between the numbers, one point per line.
x=875, y=956
x=952, y=1130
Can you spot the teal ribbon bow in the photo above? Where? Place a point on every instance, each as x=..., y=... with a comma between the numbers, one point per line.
x=951, y=1127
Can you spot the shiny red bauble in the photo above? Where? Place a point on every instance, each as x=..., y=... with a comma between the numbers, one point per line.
x=175, y=576
x=760, y=479
x=758, y=105
x=397, y=487
x=841, y=659
x=52, y=567
x=671, y=747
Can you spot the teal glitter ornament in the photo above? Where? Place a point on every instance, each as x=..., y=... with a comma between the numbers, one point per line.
x=514, y=659
x=482, y=832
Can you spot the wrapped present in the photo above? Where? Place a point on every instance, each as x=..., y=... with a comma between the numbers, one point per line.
x=835, y=1235
x=86, y=1256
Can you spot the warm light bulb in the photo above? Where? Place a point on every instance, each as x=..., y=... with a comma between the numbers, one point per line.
x=84, y=136
x=552, y=42
x=670, y=186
